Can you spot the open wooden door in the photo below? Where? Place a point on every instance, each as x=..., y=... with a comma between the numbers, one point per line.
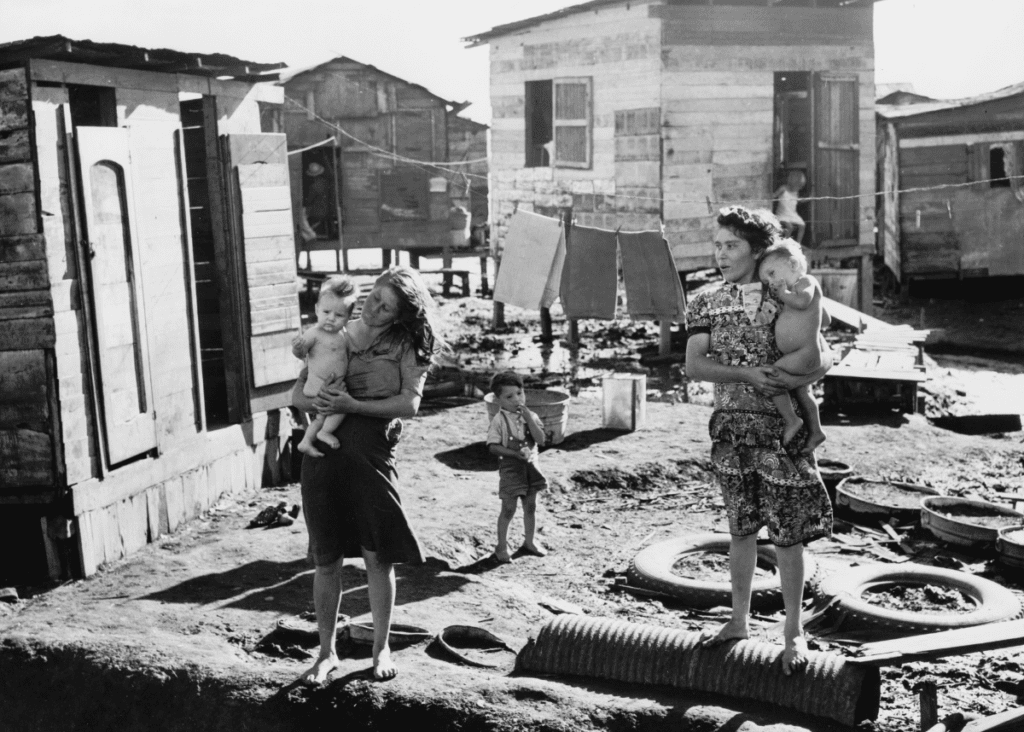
x=264, y=244
x=836, y=161
x=111, y=251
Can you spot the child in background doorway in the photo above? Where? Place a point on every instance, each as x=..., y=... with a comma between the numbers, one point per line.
x=514, y=435
x=325, y=348
x=783, y=268
x=786, y=198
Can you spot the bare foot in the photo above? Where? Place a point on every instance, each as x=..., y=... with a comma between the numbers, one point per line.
x=383, y=667
x=790, y=431
x=320, y=670
x=328, y=439
x=733, y=630
x=813, y=441
x=794, y=658
x=309, y=449
x=535, y=548
x=502, y=556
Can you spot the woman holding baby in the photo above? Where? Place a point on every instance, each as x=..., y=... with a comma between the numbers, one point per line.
x=349, y=495
x=766, y=480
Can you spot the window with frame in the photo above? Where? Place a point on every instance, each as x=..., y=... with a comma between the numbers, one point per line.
x=559, y=126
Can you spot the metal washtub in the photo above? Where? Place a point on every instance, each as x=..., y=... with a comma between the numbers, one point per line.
x=576, y=645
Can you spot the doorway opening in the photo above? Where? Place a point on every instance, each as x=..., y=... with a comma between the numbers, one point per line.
x=199, y=126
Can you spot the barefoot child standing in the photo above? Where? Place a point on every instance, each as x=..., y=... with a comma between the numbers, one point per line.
x=783, y=268
x=325, y=348
x=514, y=435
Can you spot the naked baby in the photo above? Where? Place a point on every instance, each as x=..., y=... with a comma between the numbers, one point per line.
x=325, y=348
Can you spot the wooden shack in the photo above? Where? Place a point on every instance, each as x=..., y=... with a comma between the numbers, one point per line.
x=643, y=113
x=966, y=157
x=148, y=296
x=378, y=127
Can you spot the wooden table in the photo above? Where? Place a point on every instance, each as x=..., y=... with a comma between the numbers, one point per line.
x=884, y=366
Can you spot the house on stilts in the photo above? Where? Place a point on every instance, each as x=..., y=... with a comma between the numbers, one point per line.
x=640, y=113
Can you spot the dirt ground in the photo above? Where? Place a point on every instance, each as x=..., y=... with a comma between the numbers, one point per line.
x=182, y=635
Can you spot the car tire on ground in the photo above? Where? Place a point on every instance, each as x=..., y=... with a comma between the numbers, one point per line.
x=994, y=602
x=651, y=569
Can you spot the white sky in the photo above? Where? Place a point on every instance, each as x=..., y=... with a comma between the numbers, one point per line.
x=946, y=48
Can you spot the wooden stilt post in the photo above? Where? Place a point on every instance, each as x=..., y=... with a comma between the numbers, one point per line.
x=573, y=333
x=498, y=316
x=545, y=326
x=867, y=284
x=665, y=342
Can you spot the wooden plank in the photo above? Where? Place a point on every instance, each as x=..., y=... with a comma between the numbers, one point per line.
x=174, y=500
x=259, y=149
x=265, y=176
x=13, y=99
x=25, y=304
x=26, y=459
x=17, y=178
x=15, y=147
x=963, y=139
x=22, y=248
x=88, y=551
x=110, y=76
x=18, y=214
x=26, y=335
x=266, y=198
x=272, y=361
x=943, y=643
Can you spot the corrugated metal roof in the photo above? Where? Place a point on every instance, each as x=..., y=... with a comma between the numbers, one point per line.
x=893, y=111
x=289, y=74
x=504, y=30
x=61, y=48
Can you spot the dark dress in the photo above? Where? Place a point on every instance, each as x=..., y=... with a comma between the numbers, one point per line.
x=349, y=496
x=763, y=483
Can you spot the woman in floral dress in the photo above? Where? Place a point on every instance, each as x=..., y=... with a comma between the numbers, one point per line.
x=731, y=342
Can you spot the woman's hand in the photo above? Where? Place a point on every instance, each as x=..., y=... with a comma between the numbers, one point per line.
x=767, y=380
x=335, y=400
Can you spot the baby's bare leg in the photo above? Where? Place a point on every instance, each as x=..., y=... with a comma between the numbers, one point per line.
x=784, y=404
x=804, y=360
x=326, y=432
x=809, y=406
x=309, y=438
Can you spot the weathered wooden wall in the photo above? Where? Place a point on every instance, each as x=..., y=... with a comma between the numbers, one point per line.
x=467, y=140
x=619, y=48
x=49, y=440
x=969, y=231
x=28, y=465
x=386, y=113
x=717, y=94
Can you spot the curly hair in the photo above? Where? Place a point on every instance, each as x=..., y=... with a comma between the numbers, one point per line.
x=417, y=319
x=505, y=378
x=759, y=227
x=786, y=249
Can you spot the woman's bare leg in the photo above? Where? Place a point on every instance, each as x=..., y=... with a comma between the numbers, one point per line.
x=380, y=578
x=742, y=562
x=327, y=592
x=791, y=576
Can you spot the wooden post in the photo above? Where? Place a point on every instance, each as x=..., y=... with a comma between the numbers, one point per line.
x=574, y=332
x=545, y=326
x=340, y=255
x=385, y=258
x=665, y=344
x=414, y=260
x=867, y=284
x=929, y=696
x=485, y=289
x=498, y=316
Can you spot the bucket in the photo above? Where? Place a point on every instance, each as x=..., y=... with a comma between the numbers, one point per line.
x=832, y=473
x=624, y=405
x=551, y=405
x=1010, y=546
x=965, y=521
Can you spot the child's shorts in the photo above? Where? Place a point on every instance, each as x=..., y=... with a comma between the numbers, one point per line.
x=517, y=478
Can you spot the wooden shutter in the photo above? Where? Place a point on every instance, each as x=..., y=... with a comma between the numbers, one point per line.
x=263, y=239
x=836, y=160
x=112, y=253
x=890, y=218
x=572, y=123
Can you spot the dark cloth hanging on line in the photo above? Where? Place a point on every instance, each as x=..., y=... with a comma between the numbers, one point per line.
x=653, y=289
x=590, y=274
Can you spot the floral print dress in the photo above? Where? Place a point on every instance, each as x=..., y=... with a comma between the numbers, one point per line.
x=762, y=482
